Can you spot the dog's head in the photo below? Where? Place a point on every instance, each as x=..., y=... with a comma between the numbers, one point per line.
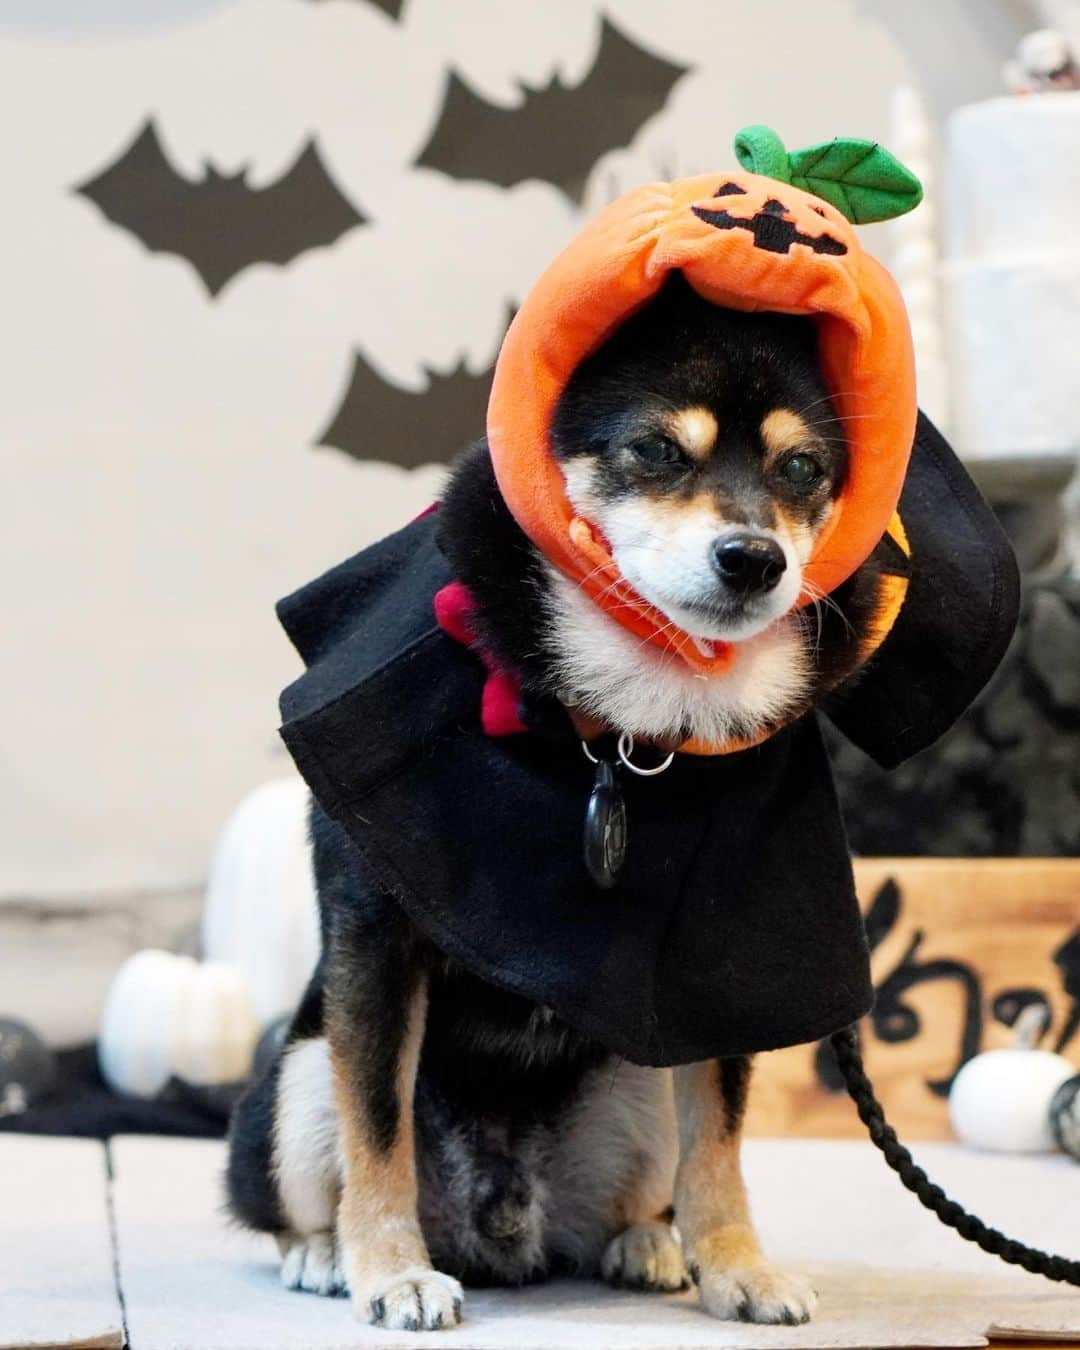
x=702, y=443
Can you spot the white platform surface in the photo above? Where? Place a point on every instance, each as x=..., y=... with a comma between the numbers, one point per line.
x=888, y=1274
x=57, y=1283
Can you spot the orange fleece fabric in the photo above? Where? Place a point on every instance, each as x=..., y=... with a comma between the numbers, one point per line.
x=744, y=242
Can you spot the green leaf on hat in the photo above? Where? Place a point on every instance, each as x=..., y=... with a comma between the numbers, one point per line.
x=860, y=178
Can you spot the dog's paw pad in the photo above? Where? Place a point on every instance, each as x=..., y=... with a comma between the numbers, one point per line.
x=311, y=1264
x=645, y=1256
x=416, y=1300
x=757, y=1294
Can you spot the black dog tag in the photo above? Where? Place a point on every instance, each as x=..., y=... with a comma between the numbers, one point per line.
x=605, y=828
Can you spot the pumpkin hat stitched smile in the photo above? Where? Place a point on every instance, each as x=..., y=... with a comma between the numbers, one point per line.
x=772, y=227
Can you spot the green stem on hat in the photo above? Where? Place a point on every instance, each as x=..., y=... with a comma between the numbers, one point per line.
x=760, y=150
x=860, y=178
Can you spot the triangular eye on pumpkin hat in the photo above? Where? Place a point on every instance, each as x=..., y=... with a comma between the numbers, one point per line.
x=776, y=235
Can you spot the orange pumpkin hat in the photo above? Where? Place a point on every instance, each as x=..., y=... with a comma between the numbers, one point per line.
x=746, y=241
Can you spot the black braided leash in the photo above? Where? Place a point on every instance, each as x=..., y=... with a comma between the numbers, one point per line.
x=845, y=1046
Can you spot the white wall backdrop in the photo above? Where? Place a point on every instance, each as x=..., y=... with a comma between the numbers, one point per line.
x=163, y=481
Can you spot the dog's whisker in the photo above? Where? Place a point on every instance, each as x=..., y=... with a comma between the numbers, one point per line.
x=644, y=642
x=600, y=567
x=825, y=398
x=802, y=619
x=820, y=597
x=845, y=417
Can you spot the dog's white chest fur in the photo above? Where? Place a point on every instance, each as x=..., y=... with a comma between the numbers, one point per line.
x=637, y=687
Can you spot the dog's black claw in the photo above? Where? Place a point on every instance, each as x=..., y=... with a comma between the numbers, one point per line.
x=378, y=1309
x=742, y=1312
x=694, y=1271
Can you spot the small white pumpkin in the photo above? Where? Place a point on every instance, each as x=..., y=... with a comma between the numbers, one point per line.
x=261, y=914
x=1000, y=1100
x=167, y=1016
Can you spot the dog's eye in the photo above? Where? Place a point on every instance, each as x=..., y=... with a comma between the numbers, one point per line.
x=658, y=450
x=801, y=470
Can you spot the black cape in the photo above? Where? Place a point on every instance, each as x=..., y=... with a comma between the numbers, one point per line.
x=734, y=927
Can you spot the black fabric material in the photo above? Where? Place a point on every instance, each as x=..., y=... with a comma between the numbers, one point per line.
x=82, y=1104
x=734, y=927
x=957, y=620
x=732, y=861
x=1005, y=782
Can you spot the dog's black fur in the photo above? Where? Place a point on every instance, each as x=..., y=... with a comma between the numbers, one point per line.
x=494, y=1068
x=498, y=1076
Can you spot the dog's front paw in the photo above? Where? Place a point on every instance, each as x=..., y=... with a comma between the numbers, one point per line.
x=645, y=1256
x=311, y=1264
x=417, y=1299
x=757, y=1293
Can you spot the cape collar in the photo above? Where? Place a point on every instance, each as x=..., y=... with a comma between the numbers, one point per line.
x=500, y=709
x=455, y=608
x=500, y=703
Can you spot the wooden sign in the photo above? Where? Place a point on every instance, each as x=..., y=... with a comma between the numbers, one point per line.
x=959, y=948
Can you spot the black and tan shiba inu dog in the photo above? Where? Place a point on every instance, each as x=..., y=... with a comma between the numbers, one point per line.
x=423, y=1127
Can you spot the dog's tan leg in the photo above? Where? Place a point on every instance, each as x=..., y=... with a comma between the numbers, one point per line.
x=385, y=1258
x=722, y=1250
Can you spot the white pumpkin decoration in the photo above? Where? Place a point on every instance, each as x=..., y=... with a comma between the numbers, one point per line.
x=261, y=914
x=167, y=1016
x=1000, y=1101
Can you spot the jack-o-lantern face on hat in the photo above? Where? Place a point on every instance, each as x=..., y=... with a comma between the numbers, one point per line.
x=773, y=224
x=742, y=241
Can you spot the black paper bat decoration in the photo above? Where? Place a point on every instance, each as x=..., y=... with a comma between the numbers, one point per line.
x=219, y=223
x=379, y=420
x=556, y=133
x=391, y=7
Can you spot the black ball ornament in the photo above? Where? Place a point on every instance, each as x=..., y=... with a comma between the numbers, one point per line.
x=27, y=1067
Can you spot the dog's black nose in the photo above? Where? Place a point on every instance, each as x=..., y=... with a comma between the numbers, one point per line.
x=748, y=563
